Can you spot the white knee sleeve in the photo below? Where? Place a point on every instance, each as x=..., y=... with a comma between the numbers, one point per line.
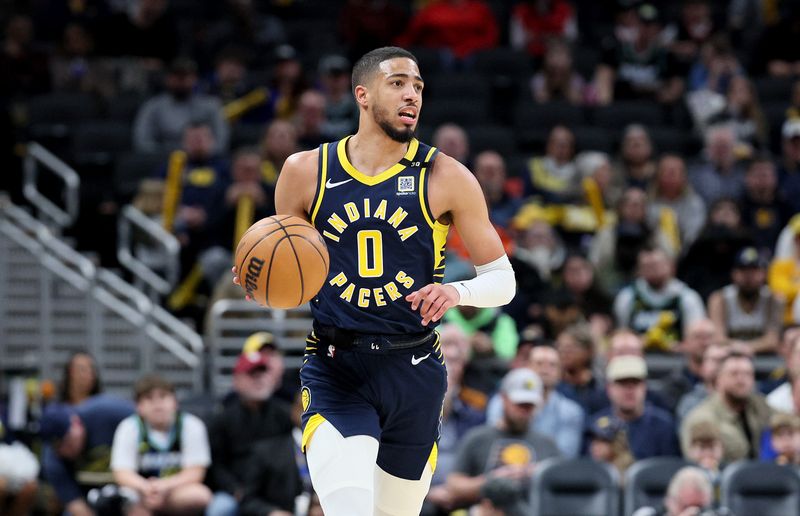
x=342, y=471
x=396, y=496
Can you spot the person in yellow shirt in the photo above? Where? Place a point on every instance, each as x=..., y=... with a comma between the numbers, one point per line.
x=784, y=275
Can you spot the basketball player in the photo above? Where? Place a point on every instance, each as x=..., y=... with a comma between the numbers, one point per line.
x=373, y=378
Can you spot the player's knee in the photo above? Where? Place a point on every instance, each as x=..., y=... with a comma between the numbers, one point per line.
x=395, y=496
x=336, y=462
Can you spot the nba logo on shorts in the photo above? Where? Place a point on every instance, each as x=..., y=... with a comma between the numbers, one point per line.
x=405, y=185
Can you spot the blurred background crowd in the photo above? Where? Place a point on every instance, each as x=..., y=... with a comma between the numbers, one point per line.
x=640, y=160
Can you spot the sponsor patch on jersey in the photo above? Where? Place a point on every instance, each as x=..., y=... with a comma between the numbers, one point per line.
x=405, y=185
x=305, y=398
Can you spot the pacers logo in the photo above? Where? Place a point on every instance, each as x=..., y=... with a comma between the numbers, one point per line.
x=305, y=398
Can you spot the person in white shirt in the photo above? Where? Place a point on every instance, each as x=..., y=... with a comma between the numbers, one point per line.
x=161, y=453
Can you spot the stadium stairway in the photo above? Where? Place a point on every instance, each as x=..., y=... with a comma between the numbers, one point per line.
x=55, y=301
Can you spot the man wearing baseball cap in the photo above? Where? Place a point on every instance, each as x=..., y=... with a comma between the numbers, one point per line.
x=510, y=448
x=77, y=447
x=651, y=430
x=250, y=416
x=747, y=310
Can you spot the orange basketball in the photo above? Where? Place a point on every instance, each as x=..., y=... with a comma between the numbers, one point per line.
x=282, y=261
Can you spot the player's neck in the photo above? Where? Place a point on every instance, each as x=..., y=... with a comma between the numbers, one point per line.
x=371, y=151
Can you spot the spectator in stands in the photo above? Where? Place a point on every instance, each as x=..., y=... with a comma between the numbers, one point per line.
x=637, y=166
x=719, y=175
x=789, y=167
x=452, y=139
x=579, y=381
x=641, y=68
x=535, y=23
x=708, y=372
x=783, y=433
x=650, y=430
x=77, y=447
x=80, y=379
x=74, y=68
x=19, y=469
x=608, y=442
x=459, y=27
x=145, y=29
x=714, y=68
x=368, y=24
x=657, y=305
x=780, y=374
x=341, y=112
x=764, y=209
x=708, y=263
x=310, y=120
x=229, y=79
x=689, y=492
x=705, y=448
x=671, y=190
x=510, y=449
x=499, y=329
x=624, y=342
x=244, y=25
x=578, y=277
x=279, y=142
x=161, y=453
x=490, y=171
x=772, y=54
x=596, y=166
x=615, y=247
x=557, y=80
x=559, y=417
x=746, y=117
x=463, y=409
x=695, y=27
x=554, y=176
x=162, y=120
x=251, y=416
x=783, y=398
x=288, y=83
x=747, y=311
x=700, y=334
x=741, y=413
x=265, y=343
x=25, y=66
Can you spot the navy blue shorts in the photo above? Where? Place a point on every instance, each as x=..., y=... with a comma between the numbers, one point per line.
x=394, y=396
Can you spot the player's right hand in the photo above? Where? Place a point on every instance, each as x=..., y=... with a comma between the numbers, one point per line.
x=237, y=281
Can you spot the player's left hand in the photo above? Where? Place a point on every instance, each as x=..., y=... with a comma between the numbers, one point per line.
x=433, y=300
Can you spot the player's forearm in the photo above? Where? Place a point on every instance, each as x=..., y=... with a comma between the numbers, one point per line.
x=465, y=489
x=494, y=285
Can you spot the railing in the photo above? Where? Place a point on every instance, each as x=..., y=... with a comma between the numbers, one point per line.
x=60, y=217
x=54, y=301
x=133, y=221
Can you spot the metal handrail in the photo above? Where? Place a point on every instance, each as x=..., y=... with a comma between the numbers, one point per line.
x=61, y=217
x=131, y=218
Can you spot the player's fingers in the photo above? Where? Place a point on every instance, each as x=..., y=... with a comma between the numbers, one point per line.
x=420, y=296
x=440, y=312
x=427, y=303
x=434, y=304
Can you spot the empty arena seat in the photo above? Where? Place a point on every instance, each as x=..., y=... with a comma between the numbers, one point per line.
x=131, y=168
x=459, y=85
x=594, y=139
x=460, y=111
x=761, y=488
x=491, y=137
x=124, y=107
x=619, y=114
x=98, y=142
x=646, y=482
x=503, y=62
x=574, y=487
x=774, y=89
x=529, y=115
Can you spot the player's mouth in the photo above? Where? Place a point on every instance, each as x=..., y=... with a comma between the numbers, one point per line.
x=408, y=115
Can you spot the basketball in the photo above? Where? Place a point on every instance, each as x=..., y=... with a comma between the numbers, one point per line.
x=282, y=261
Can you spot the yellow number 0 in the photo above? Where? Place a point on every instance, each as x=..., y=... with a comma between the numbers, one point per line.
x=374, y=238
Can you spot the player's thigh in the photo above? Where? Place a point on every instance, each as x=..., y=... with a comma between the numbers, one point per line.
x=412, y=396
x=331, y=392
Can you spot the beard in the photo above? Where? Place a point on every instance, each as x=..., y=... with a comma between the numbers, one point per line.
x=749, y=294
x=381, y=117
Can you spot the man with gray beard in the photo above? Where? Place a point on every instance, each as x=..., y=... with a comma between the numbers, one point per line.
x=251, y=416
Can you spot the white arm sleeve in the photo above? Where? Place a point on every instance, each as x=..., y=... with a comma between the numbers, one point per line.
x=494, y=285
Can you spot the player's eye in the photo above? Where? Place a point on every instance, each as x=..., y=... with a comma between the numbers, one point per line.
x=418, y=88
x=397, y=83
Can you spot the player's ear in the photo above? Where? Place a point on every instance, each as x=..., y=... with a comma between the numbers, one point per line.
x=362, y=95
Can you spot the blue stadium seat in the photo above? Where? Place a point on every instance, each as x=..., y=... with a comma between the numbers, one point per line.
x=646, y=482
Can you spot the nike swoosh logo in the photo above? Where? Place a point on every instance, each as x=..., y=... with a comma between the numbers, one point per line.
x=328, y=184
x=415, y=360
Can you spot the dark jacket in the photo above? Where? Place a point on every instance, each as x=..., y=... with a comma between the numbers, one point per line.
x=272, y=480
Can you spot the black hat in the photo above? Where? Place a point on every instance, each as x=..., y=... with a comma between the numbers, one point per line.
x=749, y=258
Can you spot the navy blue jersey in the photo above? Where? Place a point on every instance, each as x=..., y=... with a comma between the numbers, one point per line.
x=382, y=239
